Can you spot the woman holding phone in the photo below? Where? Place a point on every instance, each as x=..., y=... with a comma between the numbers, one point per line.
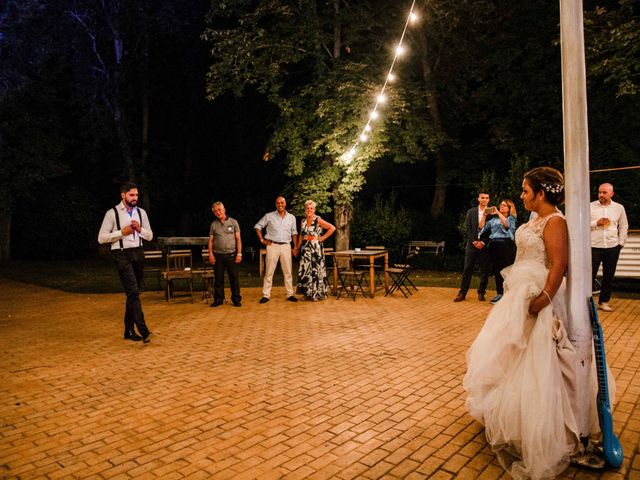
x=500, y=230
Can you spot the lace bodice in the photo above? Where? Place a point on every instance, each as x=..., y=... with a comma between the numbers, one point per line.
x=529, y=241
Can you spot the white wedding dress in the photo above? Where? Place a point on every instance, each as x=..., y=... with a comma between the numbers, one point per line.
x=520, y=375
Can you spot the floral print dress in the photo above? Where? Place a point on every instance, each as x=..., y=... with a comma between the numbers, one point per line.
x=312, y=272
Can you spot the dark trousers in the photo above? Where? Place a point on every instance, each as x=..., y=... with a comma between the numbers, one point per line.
x=130, y=265
x=471, y=256
x=503, y=254
x=609, y=259
x=226, y=261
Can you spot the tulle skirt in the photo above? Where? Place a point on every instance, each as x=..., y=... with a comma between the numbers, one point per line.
x=521, y=379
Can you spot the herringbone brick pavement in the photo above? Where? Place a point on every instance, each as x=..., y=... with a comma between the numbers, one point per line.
x=336, y=389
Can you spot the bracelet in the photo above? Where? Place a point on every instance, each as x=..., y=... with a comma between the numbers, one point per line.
x=238, y=254
x=547, y=294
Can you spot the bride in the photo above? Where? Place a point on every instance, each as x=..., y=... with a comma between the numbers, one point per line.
x=521, y=379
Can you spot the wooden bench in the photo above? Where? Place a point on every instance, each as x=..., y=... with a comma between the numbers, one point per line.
x=426, y=246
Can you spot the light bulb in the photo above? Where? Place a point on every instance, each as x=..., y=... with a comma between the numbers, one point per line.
x=399, y=50
x=374, y=115
x=382, y=98
x=367, y=128
x=391, y=77
x=413, y=17
x=363, y=138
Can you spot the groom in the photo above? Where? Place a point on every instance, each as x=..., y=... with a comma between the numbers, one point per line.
x=475, y=251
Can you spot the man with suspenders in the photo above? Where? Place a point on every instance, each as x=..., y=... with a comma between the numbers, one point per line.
x=124, y=227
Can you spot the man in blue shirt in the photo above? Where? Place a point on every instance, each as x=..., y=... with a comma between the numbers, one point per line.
x=281, y=230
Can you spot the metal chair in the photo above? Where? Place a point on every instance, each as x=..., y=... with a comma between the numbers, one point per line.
x=351, y=281
x=399, y=275
x=179, y=267
x=378, y=266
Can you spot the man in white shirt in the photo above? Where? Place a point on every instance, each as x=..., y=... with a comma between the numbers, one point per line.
x=609, y=229
x=281, y=229
x=124, y=226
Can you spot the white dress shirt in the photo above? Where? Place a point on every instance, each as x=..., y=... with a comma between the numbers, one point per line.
x=613, y=234
x=279, y=229
x=109, y=232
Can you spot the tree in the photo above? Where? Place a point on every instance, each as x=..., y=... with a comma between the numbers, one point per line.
x=31, y=143
x=315, y=63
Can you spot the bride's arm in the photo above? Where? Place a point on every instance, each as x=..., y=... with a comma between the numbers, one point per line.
x=556, y=244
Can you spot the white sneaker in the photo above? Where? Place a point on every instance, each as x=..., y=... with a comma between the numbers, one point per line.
x=604, y=306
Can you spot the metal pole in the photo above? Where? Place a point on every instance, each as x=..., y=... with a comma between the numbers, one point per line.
x=576, y=169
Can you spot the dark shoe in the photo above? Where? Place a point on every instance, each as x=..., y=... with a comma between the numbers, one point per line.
x=496, y=299
x=217, y=303
x=237, y=304
x=145, y=338
x=481, y=297
x=292, y=299
x=132, y=336
x=459, y=298
x=264, y=300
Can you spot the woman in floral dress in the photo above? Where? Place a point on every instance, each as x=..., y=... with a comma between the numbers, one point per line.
x=312, y=272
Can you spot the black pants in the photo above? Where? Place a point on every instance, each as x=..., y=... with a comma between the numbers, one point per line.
x=130, y=265
x=503, y=254
x=226, y=261
x=471, y=256
x=609, y=259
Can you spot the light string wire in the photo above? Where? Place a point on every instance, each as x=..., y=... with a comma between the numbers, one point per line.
x=351, y=153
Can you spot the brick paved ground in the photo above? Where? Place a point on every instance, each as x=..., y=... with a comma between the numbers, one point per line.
x=336, y=389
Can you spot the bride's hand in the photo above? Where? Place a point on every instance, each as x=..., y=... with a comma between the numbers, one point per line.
x=538, y=304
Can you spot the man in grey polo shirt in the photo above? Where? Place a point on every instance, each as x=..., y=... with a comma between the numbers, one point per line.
x=225, y=252
x=281, y=229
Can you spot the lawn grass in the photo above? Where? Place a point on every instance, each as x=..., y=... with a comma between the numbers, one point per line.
x=98, y=275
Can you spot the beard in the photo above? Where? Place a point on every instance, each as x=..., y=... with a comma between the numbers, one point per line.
x=131, y=204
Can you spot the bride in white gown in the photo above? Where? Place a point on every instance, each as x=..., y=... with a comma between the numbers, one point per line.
x=521, y=368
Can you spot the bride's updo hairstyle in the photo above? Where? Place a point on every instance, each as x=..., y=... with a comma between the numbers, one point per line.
x=548, y=179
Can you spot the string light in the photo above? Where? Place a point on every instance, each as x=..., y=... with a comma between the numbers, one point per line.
x=381, y=98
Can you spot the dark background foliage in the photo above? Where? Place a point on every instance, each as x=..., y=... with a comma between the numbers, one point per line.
x=181, y=97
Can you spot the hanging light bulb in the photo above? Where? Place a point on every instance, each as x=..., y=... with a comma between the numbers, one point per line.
x=347, y=157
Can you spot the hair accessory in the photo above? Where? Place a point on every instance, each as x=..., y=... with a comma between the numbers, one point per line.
x=552, y=187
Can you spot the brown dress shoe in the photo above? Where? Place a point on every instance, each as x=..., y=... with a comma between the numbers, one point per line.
x=459, y=298
x=481, y=297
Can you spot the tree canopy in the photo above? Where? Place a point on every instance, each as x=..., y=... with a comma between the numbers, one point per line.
x=241, y=100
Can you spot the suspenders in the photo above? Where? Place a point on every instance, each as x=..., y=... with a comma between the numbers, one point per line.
x=118, y=225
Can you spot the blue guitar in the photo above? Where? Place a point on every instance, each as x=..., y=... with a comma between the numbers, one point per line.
x=610, y=443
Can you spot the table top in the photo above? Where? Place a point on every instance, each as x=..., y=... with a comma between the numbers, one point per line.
x=162, y=241
x=361, y=253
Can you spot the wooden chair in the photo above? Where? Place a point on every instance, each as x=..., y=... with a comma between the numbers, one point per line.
x=205, y=273
x=179, y=267
x=152, y=266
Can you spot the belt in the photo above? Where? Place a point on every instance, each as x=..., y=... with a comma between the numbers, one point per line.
x=279, y=243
